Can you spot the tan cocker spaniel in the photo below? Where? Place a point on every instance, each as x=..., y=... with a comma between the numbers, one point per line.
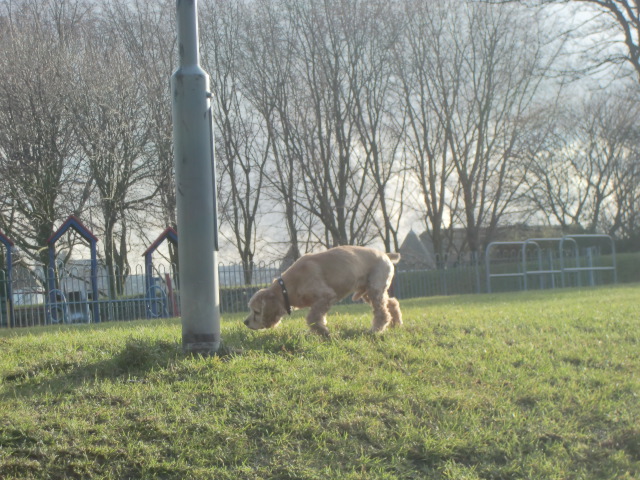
x=319, y=280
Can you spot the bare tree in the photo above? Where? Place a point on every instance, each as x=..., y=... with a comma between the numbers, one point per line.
x=242, y=143
x=271, y=87
x=428, y=72
x=147, y=32
x=321, y=110
x=376, y=110
x=584, y=179
x=338, y=190
x=624, y=214
x=114, y=133
x=503, y=61
x=608, y=34
x=39, y=167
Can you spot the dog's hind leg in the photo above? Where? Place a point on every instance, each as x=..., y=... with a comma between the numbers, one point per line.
x=381, y=315
x=378, y=297
x=394, y=310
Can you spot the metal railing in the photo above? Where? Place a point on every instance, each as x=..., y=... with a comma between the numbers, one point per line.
x=572, y=257
x=130, y=295
x=127, y=295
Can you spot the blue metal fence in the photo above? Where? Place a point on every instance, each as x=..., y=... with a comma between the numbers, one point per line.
x=127, y=295
x=130, y=295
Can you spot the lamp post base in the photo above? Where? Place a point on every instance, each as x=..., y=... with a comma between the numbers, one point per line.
x=203, y=344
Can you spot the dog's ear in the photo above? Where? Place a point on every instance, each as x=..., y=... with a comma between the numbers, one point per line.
x=272, y=309
x=256, y=296
x=257, y=300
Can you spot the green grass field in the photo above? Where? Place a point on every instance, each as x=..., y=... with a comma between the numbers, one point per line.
x=541, y=385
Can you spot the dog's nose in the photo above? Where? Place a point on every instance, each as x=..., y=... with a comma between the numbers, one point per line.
x=246, y=322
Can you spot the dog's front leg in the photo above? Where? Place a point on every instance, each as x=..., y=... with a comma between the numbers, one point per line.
x=317, y=317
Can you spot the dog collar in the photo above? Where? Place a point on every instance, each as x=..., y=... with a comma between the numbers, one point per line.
x=285, y=294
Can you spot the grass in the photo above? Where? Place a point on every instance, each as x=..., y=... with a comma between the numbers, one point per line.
x=538, y=385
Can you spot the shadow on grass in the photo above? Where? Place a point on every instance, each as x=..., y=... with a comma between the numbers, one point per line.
x=139, y=356
x=135, y=360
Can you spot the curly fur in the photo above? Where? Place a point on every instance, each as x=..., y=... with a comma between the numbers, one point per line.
x=319, y=280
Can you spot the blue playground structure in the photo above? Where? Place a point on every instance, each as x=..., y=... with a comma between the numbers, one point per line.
x=78, y=292
x=57, y=304
x=157, y=303
x=6, y=310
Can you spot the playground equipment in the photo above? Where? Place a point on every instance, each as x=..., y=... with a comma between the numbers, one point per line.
x=72, y=307
x=589, y=268
x=567, y=263
x=7, y=281
x=157, y=302
x=53, y=297
x=78, y=292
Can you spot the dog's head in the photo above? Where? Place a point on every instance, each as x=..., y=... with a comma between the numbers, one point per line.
x=266, y=310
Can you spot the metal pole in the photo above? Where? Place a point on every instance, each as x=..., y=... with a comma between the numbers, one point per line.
x=195, y=189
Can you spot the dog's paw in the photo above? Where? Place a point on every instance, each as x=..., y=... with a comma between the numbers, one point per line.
x=320, y=330
x=379, y=329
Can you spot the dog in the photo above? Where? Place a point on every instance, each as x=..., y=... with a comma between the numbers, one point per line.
x=319, y=280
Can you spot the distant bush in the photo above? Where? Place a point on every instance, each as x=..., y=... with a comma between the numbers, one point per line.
x=628, y=267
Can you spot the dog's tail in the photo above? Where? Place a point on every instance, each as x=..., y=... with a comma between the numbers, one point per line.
x=394, y=257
